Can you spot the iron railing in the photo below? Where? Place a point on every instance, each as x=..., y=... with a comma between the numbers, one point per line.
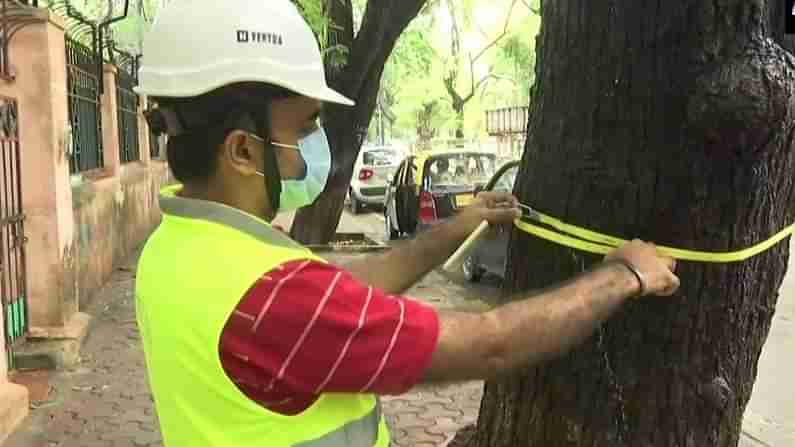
x=507, y=121
x=85, y=114
x=127, y=108
x=13, y=292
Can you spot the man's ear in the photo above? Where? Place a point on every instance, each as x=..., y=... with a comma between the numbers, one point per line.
x=242, y=152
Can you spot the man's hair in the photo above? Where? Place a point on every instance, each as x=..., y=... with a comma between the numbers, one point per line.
x=203, y=122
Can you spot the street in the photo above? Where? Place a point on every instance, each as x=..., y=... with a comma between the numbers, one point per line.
x=105, y=402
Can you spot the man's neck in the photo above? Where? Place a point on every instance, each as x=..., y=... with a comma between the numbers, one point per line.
x=209, y=194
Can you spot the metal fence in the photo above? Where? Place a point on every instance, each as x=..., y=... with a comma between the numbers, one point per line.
x=13, y=294
x=127, y=108
x=506, y=121
x=85, y=115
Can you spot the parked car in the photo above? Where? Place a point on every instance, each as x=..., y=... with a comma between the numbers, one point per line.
x=431, y=187
x=373, y=170
x=490, y=254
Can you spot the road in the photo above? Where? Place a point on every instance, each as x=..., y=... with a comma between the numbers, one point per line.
x=370, y=222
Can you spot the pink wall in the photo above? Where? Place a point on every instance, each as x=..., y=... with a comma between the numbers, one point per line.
x=113, y=217
x=14, y=401
x=40, y=89
x=79, y=227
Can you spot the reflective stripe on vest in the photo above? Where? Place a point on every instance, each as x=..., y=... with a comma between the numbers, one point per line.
x=192, y=274
x=361, y=432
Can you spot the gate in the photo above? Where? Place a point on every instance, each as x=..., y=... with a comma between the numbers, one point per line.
x=13, y=292
x=127, y=104
x=85, y=117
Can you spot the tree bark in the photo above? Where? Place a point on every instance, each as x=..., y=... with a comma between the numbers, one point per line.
x=359, y=79
x=679, y=132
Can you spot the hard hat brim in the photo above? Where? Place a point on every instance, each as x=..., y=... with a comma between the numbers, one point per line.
x=331, y=95
x=324, y=94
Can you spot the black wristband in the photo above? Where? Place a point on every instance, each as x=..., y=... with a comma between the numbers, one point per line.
x=635, y=272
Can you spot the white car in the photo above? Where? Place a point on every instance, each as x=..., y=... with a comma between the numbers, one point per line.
x=373, y=170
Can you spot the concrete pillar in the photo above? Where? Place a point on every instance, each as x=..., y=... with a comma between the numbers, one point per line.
x=39, y=61
x=110, y=121
x=13, y=398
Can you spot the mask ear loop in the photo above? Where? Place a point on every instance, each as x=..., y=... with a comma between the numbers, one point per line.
x=273, y=176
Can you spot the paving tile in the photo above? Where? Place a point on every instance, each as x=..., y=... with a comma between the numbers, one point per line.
x=105, y=401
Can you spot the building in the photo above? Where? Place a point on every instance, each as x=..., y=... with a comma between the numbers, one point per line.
x=509, y=126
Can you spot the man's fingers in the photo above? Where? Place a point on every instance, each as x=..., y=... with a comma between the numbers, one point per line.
x=503, y=215
x=493, y=199
x=495, y=196
x=670, y=263
x=672, y=287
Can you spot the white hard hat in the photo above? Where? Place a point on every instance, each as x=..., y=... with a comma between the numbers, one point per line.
x=197, y=46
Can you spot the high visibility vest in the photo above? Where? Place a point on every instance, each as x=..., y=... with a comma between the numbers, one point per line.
x=193, y=272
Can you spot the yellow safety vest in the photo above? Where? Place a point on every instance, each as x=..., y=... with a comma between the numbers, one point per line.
x=193, y=272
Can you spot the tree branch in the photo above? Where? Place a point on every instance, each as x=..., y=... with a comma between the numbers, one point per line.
x=536, y=11
x=449, y=83
x=381, y=26
x=477, y=86
x=501, y=36
x=471, y=77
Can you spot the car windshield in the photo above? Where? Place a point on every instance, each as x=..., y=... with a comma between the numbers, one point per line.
x=380, y=157
x=456, y=171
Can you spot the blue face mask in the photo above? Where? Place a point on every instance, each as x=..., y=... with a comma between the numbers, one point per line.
x=316, y=153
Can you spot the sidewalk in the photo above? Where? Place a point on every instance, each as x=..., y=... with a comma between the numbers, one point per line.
x=106, y=401
x=770, y=415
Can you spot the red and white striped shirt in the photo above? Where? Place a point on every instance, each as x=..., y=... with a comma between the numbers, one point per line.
x=307, y=328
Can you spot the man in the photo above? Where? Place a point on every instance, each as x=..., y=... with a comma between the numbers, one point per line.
x=251, y=339
x=441, y=172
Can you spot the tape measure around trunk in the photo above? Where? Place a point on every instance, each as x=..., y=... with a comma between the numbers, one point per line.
x=591, y=241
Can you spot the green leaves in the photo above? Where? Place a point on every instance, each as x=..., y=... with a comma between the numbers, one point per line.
x=315, y=12
x=490, y=64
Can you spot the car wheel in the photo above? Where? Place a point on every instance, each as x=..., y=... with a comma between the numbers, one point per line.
x=356, y=207
x=391, y=233
x=473, y=272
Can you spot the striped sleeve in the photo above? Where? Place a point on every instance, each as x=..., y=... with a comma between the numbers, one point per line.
x=308, y=328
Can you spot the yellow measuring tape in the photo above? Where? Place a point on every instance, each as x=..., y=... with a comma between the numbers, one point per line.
x=593, y=242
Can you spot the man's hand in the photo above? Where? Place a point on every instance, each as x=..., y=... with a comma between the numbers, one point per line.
x=548, y=323
x=398, y=269
x=656, y=271
x=497, y=208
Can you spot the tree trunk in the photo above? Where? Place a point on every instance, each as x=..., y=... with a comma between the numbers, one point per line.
x=360, y=80
x=680, y=132
x=459, y=121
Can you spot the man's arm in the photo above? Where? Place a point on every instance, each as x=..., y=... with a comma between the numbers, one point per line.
x=400, y=268
x=546, y=324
